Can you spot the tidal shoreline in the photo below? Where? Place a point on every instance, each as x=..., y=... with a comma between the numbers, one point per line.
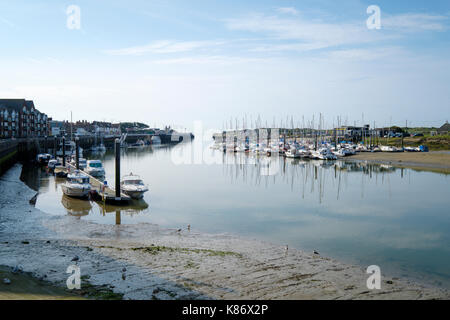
x=436, y=161
x=147, y=262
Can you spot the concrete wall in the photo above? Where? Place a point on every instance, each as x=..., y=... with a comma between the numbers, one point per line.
x=8, y=155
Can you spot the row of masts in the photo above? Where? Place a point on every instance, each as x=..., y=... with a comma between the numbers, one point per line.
x=316, y=129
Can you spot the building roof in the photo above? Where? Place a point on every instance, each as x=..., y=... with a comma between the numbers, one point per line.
x=16, y=104
x=445, y=127
x=12, y=104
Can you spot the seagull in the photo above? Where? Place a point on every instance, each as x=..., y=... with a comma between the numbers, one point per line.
x=315, y=252
x=76, y=259
x=17, y=269
x=179, y=230
x=189, y=227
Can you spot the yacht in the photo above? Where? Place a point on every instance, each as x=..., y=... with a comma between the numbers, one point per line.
x=133, y=186
x=94, y=168
x=323, y=154
x=77, y=185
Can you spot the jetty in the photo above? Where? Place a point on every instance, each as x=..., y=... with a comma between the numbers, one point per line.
x=105, y=192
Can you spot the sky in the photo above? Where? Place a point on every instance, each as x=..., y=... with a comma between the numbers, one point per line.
x=176, y=62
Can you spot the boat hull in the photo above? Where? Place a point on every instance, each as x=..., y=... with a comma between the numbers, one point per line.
x=134, y=194
x=75, y=192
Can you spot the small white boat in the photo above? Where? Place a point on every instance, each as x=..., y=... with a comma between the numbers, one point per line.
x=323, y=154
x=82, y=162
x=43, y=158
x=77, y=185
x=343, y=152
x=69, y=150
x=137, y=144
x=53, y=163
x=133, y=186
x=156, y=140
x=94, y=168
x=100, y=148
x=292, y=153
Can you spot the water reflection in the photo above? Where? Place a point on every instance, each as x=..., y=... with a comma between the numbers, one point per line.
x=76, y=207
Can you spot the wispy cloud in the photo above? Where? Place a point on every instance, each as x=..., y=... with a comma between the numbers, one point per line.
x=365, y=54
x=297, y=33
x=415, y=22
x=164, y=46
x=216, y=60
x=7, y=22
x=304, y=34
x=287, y=10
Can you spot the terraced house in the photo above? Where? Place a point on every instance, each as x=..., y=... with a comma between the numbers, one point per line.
x=20, y=119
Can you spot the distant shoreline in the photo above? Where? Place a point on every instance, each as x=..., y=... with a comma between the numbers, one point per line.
x=436, y=161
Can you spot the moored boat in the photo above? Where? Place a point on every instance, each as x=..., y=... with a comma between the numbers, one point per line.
x=133, y=186
x=94, y=168
x=77, y=185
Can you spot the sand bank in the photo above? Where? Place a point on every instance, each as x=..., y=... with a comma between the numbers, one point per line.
x=438, y=161
x=147, y=262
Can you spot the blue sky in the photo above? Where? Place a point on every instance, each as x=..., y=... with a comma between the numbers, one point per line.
x=180, y=61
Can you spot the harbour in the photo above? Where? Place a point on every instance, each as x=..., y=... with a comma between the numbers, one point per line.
x=235, y=151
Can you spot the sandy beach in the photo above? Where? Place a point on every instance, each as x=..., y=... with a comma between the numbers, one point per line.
x=438, y=161
x=148, y=262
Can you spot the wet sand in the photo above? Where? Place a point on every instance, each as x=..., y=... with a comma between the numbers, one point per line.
x=147, y=262
x=438, y=161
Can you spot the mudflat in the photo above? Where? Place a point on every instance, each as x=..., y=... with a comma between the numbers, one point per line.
x=26, y=287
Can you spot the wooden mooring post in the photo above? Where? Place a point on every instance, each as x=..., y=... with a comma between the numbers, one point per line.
x=77, y=152
x=117, y=150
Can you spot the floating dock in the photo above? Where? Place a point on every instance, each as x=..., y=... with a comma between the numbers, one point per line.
x=105, y=193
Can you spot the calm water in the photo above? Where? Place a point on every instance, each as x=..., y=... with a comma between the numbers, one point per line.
x=355, y=212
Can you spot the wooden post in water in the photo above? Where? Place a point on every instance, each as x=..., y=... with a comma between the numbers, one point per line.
x=118, y=218
x=54, y=146
x=64, y=151
x=77, y=152
x=117, y=149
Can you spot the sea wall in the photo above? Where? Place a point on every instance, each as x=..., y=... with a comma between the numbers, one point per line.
x=8, y=155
